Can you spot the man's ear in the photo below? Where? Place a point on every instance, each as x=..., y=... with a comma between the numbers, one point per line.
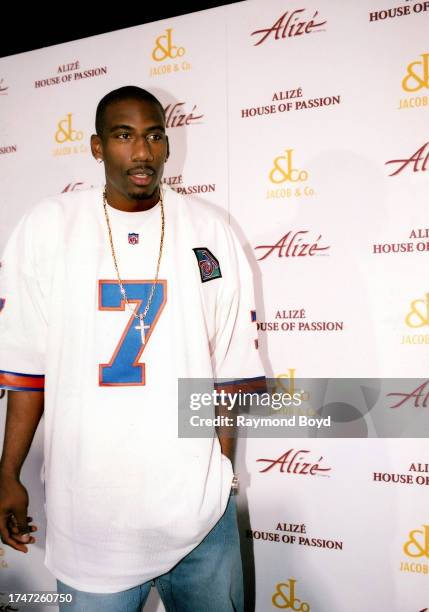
x=168, y=149
x=97, y=147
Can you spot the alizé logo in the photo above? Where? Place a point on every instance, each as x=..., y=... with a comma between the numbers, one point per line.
x=74, y=187
x=293, y=244
x=295, y=462
x=289, y=25
x=420, y=395
x=177, y=116
x=417, y=162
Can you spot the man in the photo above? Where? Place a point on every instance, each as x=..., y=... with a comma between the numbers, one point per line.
x=109, y=297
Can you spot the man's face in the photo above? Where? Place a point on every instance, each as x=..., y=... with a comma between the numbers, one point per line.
x=134, y=148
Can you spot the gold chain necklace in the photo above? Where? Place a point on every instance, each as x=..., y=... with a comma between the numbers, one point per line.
x=141, y=316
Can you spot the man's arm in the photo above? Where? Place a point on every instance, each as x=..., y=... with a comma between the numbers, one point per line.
x=227, y=443
x=226, y=434
x=24, y=411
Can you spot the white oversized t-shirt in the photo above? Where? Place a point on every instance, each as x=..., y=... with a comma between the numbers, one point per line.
x=126, y=497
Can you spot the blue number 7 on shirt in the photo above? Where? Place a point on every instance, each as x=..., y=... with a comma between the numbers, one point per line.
x=123, y=368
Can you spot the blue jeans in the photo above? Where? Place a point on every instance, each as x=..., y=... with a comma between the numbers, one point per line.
x=208, y=579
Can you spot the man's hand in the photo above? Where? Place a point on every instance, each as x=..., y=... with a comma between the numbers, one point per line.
x=15, y=528
x=24, y=411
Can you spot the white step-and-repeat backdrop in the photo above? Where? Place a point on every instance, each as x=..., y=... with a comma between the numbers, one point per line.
x=307, y=123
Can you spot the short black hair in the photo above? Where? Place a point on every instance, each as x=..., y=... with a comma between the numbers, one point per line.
x=129, y=92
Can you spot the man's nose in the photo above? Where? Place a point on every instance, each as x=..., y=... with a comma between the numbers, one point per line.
x=142, y=150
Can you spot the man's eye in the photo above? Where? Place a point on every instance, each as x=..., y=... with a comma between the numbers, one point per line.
x=123, y=135
x=155, y=137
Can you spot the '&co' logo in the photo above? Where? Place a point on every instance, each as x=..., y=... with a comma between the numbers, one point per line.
x=284, y=597
x=419, y=313
x=164, y=48
x=283, y=170
x=418, y=546
x=417, y=78
x=65, y=131
x=290, y=376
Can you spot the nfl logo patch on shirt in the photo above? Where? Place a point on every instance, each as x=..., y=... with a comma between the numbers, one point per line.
x=133, y=238
x=208, y=264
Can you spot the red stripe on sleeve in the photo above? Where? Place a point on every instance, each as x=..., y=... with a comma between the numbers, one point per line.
x=12, y=379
